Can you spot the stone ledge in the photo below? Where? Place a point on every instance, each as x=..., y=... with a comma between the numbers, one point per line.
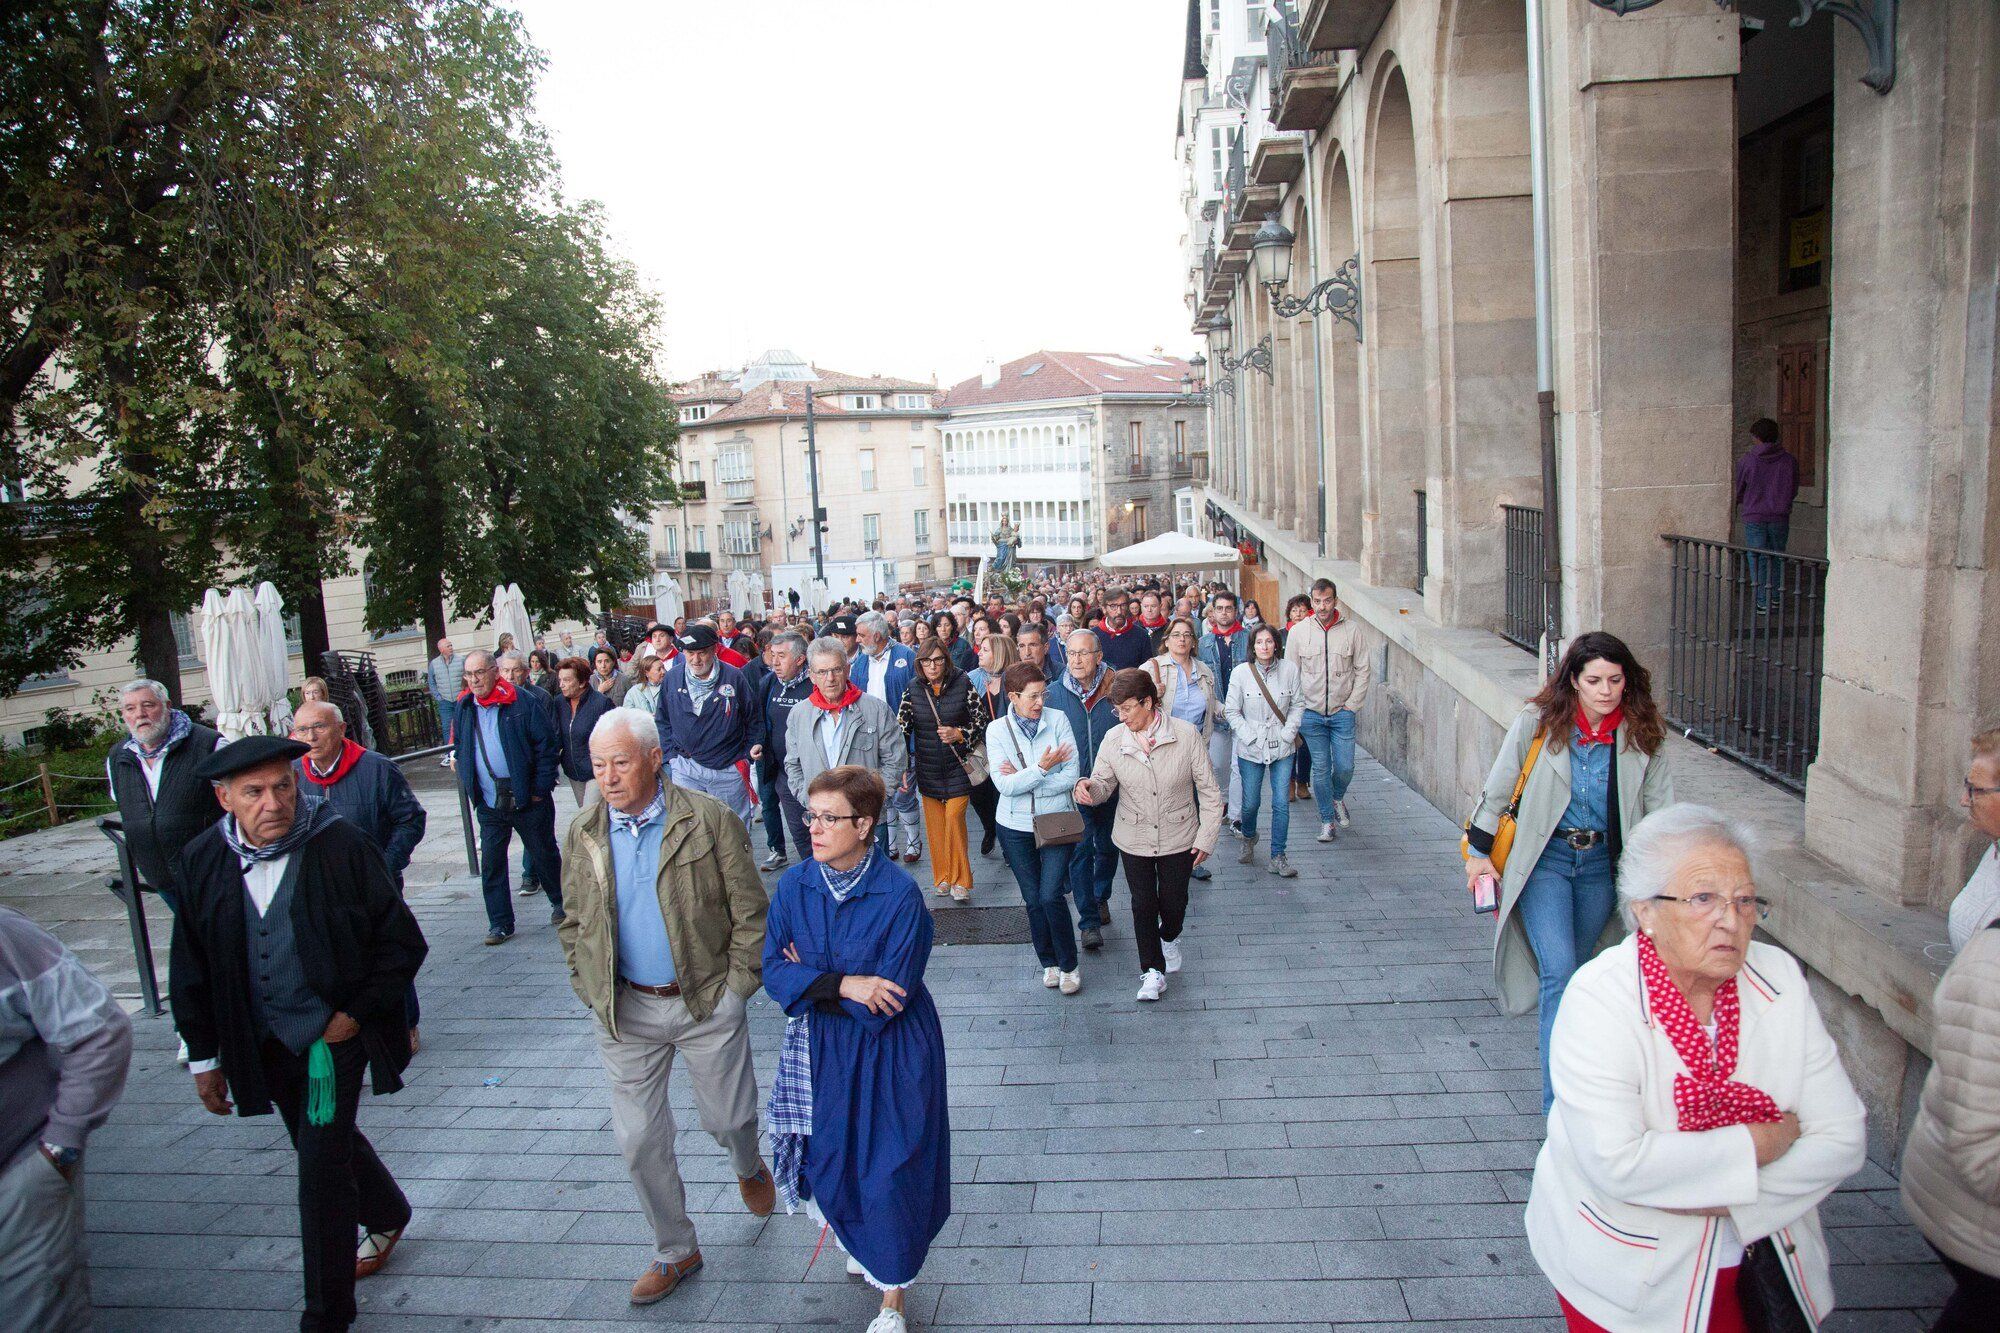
x=1872, y=949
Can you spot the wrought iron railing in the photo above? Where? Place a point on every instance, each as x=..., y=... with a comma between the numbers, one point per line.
x=1285, y=50
x=1526, y=610
x=1236, y=177
x=1745, y=653
x=1423, y=540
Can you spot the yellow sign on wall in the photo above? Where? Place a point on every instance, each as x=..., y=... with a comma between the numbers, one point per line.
x=1806, y=244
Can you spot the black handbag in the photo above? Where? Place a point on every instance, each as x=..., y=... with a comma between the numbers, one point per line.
x=1765, y=1293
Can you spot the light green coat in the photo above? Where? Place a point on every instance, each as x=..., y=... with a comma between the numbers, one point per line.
x=710, y=894
x=1645, y=784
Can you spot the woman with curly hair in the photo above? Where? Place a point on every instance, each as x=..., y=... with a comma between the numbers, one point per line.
x=1590, y=743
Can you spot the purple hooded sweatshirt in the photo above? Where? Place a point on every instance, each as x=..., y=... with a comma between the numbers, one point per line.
x=1767, y=481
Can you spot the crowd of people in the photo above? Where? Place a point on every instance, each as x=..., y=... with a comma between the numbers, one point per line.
x=1698, y=1111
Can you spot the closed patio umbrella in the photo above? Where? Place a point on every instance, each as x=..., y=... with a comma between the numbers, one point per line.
x=510, y=616
x=274, y=655
x=669, y=603
x=229, y=656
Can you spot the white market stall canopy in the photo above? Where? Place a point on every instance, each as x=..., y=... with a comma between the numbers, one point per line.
x=1170, y=551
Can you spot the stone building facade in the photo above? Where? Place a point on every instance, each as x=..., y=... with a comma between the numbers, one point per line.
x=1084, y=452
x=747, y=487
x=1745, y=219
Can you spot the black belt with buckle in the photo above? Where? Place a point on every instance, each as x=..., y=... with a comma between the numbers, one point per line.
x=1580, y=839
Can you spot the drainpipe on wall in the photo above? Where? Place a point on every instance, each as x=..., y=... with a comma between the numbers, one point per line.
x=1314, y=224
x=1545, y=381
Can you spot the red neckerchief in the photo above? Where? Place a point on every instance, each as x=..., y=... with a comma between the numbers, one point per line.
x=350, y=755
x=731, y=656
x=1708, y=1099
x=1328, y=624
x=1588, y=736
x=1229, y=633
x=503, y=693
x=1152, y=624
x=853, y=694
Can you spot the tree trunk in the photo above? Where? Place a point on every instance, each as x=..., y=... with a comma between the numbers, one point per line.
x=157, y=656
x=314, y=637
x=434, y=620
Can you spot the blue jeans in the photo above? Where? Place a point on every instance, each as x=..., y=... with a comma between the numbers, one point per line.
x=772, y=815
x=1043, y=874
x=1093, y=864
x=537, y=826
x=1330, y=742
x=1279, y=773
x=446, y=711
x=1763, y=569
x=1564, y=907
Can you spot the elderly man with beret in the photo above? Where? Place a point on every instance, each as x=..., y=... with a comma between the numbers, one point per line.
x=292, y=955
x=704, y=717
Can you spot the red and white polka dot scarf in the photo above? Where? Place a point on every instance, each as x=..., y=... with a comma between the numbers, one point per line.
x=1708, y=1099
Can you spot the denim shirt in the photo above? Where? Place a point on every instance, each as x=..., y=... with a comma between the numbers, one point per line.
x=1589, y=785
x=645, y=954
x=1189, y=703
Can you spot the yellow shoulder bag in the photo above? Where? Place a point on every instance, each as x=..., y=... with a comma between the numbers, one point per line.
x=1503, y=837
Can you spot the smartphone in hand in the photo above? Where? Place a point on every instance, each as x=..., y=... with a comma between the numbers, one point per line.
x=1486, y=894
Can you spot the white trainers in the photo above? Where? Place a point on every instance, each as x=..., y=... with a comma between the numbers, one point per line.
x=1326, y=833
x=1282, y=867
x=1340, y=813
x=1152, y=986
x=183, y=1055
x=1072, y=982
x=1172, y=950
x=1052, y=977
x=854, y=1268
x=888, y=1321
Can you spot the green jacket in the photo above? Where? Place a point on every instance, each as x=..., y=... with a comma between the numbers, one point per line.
x=710, y=894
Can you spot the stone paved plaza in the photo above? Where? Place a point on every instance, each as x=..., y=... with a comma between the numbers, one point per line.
x=1325, y=1124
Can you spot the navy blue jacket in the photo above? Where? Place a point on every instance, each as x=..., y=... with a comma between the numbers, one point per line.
x=721, y=734
x=375, y=797
x=573, y=728
x=1089, y=728
x=775, y=700
x=527, y=737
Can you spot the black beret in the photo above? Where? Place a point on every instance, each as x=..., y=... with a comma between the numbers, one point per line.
x=250, y=752
x=842, y=625
x=697, y=639
x=656, y=625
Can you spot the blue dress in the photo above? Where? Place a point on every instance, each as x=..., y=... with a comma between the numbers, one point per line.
x=878, y=1161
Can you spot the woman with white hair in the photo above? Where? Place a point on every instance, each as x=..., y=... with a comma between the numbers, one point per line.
x=1701, y=1112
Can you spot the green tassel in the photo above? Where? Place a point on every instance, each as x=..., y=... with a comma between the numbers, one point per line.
x=319, y=1084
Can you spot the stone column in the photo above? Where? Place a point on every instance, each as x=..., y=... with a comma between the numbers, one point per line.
x=1644, y=218
x=1912, y=629
x=1284, y=421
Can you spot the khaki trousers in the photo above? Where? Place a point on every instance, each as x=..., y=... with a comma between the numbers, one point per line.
x=44, y=1281
x=650, y=1030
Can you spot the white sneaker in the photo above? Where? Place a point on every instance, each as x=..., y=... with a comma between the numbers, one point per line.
x=1152, y=986
x=445, y=762
x=183, y=1056
x=1340, y=813
x=1172, y=950
x=888, y=1321
x=1072, y=982
x=1052, y=977
x=775, y=861
x=854, y=1268
x=1326, y=833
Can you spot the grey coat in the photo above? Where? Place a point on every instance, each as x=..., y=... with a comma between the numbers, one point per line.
x=1644, y=783
x=872, y=740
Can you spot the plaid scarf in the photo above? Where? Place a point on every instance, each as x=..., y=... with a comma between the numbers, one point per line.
x=1708, y=1099
x=179, y=724
x=633, y=823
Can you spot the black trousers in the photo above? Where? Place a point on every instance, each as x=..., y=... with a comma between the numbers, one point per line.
x=1974, y=1307
x=536, y=824
x=985, y=801
x=343, y=1185
x=1159, y=886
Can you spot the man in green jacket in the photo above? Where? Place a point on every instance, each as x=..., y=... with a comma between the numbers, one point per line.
x=664, y=934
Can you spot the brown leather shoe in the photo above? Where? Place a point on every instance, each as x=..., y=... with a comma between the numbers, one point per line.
x=382, y=1243
x=661, y=1277
x=760, y=1192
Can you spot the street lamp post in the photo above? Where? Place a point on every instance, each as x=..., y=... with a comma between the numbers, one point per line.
x=1339, y=295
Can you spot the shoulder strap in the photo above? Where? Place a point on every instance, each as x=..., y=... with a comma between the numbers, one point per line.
x=1021, y=751
x=1521, y=782
x=1265, y=690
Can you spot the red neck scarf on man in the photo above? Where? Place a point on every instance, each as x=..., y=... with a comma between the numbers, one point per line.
x=1153, y=624
x=819, y=700
x=350, y=755
x=503, y=693
x=1603, y=734
x=1329, y=624
x=1708, y=1099
x=1229, y=633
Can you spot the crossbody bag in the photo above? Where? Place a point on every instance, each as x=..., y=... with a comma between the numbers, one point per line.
x=1057, y=828
x=973, y=760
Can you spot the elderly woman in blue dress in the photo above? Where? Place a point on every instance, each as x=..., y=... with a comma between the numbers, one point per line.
x=859, y=1130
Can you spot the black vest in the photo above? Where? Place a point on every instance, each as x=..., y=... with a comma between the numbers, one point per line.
x=282, y=1005
x=157, y=830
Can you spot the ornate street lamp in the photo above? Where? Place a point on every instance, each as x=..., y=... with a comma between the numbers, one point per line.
x=1339, y=295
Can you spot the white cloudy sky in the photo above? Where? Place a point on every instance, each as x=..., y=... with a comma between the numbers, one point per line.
x=880, y=185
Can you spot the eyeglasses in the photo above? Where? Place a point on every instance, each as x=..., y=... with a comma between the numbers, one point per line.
x=1972, y=792
x=813, y=819
x=1713, y=904
x=313, y=729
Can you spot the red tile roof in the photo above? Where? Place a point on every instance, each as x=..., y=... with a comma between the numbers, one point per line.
x=1043, y=376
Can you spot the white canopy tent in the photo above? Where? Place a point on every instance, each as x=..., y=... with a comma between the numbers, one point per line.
x=244, y=653
x=510, y=616
x=1171, y=551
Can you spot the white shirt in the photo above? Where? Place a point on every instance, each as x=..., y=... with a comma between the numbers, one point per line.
x=261, y=878
x=878, y=676
x=151, y=768
x=1977, y=905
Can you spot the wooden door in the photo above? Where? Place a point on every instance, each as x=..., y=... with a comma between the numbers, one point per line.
x=1798, y=407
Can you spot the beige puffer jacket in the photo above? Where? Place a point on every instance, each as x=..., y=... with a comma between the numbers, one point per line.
x=1168, y=801
x=1951, y=1170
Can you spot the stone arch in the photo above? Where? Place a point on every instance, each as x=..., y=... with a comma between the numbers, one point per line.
x=1394, y=465
x=1340, y=365
x=1487, y=452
